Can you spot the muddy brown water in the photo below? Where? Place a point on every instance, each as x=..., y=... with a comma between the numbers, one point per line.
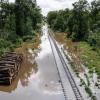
x=38, y=77
x=70, y=47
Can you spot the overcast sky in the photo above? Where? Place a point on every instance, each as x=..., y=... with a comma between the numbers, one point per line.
x=50, y=5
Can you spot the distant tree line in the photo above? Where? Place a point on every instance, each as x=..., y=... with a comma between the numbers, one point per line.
x=82, y=23
x=17, y=21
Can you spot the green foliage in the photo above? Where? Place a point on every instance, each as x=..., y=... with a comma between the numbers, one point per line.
x=95, y=15
x=59, y=23
x=18, y=21
x=94, y=40
x=27, y=38
x=27, y=17
x=89, y=57
x=28, y=27
x=4, y=46
x=21, y=17
x=12, y=36
x=73, y=21
x=51, y=18
x=82, y=23
x=4, y=43
x=87, y=89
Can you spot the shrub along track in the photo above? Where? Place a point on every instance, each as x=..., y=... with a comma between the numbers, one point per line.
x=67, y=71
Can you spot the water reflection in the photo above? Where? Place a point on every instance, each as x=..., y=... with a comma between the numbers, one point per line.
x=38, y=78
x=28, y=67
x=48, y=77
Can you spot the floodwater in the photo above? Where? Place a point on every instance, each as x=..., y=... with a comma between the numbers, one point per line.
x=38, y=77
x=72, y=50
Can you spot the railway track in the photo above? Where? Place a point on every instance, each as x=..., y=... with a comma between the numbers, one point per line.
x=75, y=89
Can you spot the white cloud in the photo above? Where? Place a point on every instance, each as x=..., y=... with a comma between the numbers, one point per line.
x=11, y=0
x=50, y=5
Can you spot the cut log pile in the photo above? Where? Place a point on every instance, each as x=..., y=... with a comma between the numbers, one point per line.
x=9, y=67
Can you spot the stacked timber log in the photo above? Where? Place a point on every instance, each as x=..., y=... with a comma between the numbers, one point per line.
x=9, y=67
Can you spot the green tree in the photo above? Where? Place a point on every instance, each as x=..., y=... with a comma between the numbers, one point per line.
x=51, y=18
x=18, y=20
x=95, y=15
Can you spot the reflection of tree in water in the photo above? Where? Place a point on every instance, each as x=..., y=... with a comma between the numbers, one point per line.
x=28, y=67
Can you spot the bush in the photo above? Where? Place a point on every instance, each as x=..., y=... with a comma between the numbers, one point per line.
x=18, y=42
x=74, y=37
x=4, y=43
x=12, y=37
x=4, y=46
x=27, y=38
x=94, y=40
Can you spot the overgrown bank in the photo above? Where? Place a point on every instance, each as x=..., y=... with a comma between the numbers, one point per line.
x=7, y=45
x=81, y=26
x=19, y=21
x=74, y=52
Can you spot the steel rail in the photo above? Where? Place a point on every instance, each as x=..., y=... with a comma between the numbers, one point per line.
x=65, y=96
x=75, y=88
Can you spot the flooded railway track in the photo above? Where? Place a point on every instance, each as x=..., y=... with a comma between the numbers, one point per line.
x=42, y=76
x=38, y=77
x=77, y=93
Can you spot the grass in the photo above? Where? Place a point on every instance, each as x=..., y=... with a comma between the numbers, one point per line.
x=89, y=57
x=10, y=44
x=87, y=89
x=71, y=49
x=81, y=53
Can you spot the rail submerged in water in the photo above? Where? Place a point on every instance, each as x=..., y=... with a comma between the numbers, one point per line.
x=78, y=95
x=9, y=67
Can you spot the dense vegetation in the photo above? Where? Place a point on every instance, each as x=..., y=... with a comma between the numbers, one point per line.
x=18, y=21
x=82, y=23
